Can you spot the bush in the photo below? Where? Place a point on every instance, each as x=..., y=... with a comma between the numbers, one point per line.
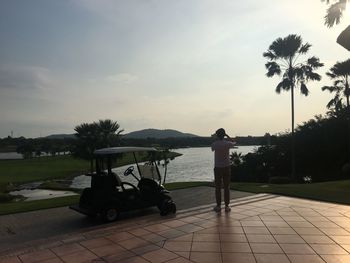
x=321, y=151
x=279, y=180
x=4, y=198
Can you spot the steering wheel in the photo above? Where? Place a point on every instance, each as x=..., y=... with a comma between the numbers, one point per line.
x=129, y=170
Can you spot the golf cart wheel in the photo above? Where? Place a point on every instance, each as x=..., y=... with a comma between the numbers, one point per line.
x=168, y=206
x=173, y=207
x=111, y=214
x=163, y=199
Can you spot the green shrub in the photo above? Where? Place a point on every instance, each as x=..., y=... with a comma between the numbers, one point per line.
x=4, y=198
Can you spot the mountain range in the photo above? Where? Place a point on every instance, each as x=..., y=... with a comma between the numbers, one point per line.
x=141, y=134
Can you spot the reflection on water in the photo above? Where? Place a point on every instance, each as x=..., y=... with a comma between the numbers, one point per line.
x=11, y=156
x=38, y=194
x=195, y=164
x=19, y=156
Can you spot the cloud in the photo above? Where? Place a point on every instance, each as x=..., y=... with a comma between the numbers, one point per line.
x=21, y=77
x=122, y=78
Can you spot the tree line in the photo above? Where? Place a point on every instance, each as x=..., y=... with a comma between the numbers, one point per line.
x=89, y=137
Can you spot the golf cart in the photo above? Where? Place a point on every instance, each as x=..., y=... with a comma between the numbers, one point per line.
x=109, y=195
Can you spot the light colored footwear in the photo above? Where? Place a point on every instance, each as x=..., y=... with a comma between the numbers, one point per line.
x=227, y=208
x=217, y=209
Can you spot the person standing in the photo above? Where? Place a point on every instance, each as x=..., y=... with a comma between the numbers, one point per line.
x=222, y=168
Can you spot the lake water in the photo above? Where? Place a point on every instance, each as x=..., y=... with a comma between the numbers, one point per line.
x=11, y=156
x=38, y=194
x=195, y=164
x=19, y=156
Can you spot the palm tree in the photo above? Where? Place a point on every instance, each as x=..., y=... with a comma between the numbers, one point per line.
x=284, y=58
x=333, y=16
x=87, y=135
x=334, y=12
x=340, y=73
x=91, y=136
x=108, y=130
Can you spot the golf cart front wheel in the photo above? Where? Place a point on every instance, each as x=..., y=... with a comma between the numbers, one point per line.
x=168, y=206
x=111, y=214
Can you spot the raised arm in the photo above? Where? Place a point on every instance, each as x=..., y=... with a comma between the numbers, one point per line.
x=230, y=139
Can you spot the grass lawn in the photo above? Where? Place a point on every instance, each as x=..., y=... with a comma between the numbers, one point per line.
x=42, y=168
x=334, y=191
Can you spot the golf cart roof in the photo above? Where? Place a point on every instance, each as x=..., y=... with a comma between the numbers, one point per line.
x=115, y=150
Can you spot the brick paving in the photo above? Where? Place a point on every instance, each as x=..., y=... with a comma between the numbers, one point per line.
x=261, y=228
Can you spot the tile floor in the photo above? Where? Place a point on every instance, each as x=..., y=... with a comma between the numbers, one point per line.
x=262, y=229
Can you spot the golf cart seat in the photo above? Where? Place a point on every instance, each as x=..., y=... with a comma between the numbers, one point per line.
x=118, y=181
x=108, y=181
x=149, y=172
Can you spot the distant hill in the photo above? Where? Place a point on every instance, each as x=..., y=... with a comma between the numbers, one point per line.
x=157, y=134
x=60, y=136
x=142, y=134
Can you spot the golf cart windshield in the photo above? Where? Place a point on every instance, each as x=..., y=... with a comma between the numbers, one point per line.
x=106, y=157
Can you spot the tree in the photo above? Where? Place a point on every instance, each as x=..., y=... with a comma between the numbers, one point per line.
x=284, y=59
x=87, y=135
x=334, y=12
x=333, y=16
x=109, y=133
x=91, y=136
x=340, y=73
x=26, y=148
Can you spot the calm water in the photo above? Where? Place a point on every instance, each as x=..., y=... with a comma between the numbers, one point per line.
x=38, y=194
x=18, y=156
x=195, y=164
x=10, y=156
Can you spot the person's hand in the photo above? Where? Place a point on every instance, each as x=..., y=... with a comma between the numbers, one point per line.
x=228, y=137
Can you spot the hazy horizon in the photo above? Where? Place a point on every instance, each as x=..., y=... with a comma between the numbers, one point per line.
x=125, y=133
x=188, y=65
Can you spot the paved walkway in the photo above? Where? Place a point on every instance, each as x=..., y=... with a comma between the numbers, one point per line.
x=260, y=228
x=16, y=229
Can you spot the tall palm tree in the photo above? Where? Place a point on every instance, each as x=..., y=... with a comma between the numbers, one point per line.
x=284, y=58
x=340, y=73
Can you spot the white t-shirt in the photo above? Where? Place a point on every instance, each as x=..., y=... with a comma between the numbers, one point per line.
x=222, y=152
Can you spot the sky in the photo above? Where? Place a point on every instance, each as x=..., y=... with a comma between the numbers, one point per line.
x=189, y=65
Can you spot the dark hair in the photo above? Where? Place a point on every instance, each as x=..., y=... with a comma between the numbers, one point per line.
x=220, y=133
